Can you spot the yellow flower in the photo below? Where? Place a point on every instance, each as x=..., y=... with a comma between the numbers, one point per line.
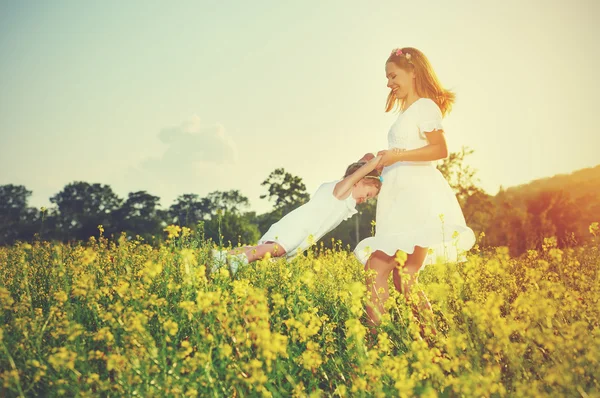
x=104, y=334
x=122, y=288
x=6, y=300
x=173, y=231
x=277, y=300
x=89, y=255
x=62, y=358
x=594, y=227
x=556, y=254
x=152, y=269
x=340, y=390
x=186, y=349
x=226, y=350
x=61, y=296
x=189, y=307
x=171, y=327
x=310, y=358
x=307, y=326
x=185, y=231
x=299, y=390
x=401, y=257
x=116, y=362
x=189, y=260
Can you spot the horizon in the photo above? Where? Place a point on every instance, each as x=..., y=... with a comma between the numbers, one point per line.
x=251, y=209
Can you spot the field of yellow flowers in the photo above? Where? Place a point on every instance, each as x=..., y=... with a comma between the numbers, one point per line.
x=123, y=318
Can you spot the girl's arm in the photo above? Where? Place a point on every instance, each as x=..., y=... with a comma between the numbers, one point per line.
x=435, y=149
x=343, y=187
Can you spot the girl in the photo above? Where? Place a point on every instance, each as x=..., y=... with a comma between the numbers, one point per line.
x=332, y=203
x=417, y=211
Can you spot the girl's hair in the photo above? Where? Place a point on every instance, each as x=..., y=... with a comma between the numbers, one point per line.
x=426, y=81
x=373, y=176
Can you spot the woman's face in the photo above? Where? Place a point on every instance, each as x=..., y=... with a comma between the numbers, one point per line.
x=399, y=81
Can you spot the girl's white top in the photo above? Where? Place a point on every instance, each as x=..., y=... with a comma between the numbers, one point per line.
x=416, y=206
x=304, y=226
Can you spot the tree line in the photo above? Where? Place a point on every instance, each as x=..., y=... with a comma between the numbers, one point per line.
x=520, y=222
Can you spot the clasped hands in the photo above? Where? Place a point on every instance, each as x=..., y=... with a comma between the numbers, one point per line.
x=388, y=157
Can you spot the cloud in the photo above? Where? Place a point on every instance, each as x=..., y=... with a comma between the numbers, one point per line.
x=190, y=142
x=197, y=159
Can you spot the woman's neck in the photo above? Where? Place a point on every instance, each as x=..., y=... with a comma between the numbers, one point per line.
x=409, y=100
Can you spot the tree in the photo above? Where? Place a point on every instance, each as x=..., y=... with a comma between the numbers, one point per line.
x=479, y=210
x=478, y=207
x=16, y=219
x=228, y=222
x=288, y=191
x=553, y=213
x=510, y=226
x=460, y=177
x=231, y=201
x=355, y=229
x=188, y=210
x=81, y=207
x=229, y=227
x=139, y=215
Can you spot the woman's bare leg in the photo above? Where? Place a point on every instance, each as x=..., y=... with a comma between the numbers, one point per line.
x=422, y=308
x=382, y=264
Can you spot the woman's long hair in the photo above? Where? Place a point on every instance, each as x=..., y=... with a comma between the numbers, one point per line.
x=426, y=81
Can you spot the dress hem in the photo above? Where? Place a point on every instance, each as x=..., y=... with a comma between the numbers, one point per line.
x=451, y=249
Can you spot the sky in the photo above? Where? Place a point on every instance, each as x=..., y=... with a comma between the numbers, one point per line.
x=198, y=96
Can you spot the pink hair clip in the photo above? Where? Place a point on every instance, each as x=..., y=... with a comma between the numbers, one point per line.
x=398, y=52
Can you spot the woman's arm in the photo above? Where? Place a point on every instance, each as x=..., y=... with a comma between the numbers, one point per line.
x=435, y=149
x=343, y=187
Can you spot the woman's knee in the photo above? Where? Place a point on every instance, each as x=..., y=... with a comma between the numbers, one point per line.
x=380, y=262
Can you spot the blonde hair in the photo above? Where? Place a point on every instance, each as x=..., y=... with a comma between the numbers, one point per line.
x=426, y=82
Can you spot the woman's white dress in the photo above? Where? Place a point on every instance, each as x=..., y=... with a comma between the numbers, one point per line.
x=416, y=206
x=304, y=226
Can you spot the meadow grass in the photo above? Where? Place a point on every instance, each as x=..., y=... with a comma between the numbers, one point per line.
x=122, y=318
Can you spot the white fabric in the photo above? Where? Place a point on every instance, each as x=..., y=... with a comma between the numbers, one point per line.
x=304, y=226
x=414, y=195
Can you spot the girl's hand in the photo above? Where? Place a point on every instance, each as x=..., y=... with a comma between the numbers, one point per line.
x=380, y=165
x=375, y=163
x=367, y=157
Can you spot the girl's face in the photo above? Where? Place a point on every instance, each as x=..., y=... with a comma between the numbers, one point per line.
x=399, y=81
x=362, y=192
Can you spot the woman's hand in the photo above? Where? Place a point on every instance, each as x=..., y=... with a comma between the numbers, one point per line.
x=388, y=158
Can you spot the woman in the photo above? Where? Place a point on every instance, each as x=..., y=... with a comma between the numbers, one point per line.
x=417, y=212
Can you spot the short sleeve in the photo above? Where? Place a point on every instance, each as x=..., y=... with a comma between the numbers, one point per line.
x=430, y=117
